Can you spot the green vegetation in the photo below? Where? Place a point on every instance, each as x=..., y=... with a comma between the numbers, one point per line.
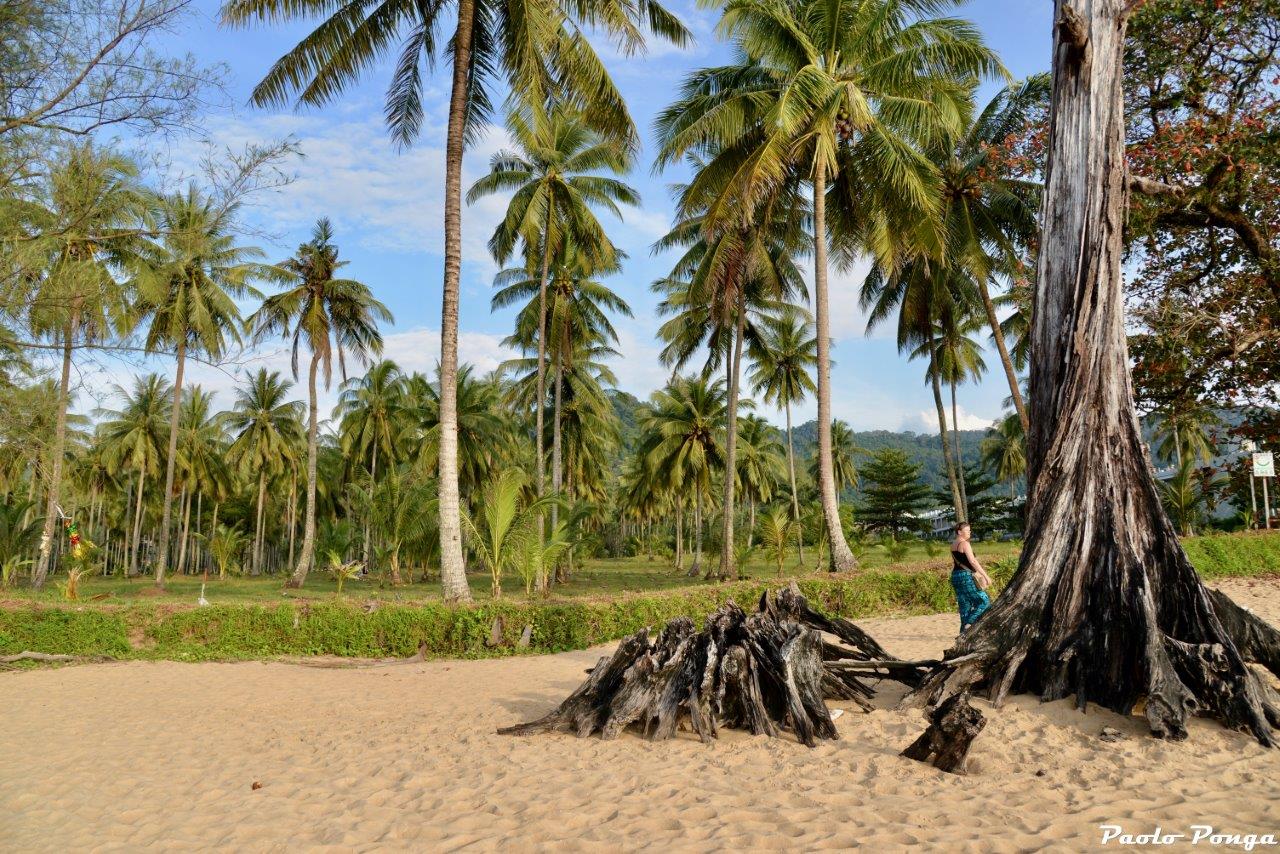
x=604, y=602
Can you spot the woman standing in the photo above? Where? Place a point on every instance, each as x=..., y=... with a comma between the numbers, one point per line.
x=968, y=578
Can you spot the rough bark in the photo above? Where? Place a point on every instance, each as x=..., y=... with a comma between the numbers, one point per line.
x=170, y=467
x=953, y=726
x=307, y=556
x=766, y=673
x=541, y=403
x=731, y=440
x=1105, y=605
x=841, y=556
x=453, y=568
x=41, y=572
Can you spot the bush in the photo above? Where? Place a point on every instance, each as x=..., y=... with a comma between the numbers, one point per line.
x=226, y=632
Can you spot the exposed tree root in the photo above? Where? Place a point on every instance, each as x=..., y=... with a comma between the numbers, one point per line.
x=766, y=673
x=952, y=728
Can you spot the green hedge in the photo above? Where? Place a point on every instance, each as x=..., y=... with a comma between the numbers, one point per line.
x=339, y=628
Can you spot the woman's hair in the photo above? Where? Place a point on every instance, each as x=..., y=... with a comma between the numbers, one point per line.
x=962, y=526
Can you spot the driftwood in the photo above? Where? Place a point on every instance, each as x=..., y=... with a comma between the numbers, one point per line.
x=27, y=655
x=765, y=672
x=952, y=728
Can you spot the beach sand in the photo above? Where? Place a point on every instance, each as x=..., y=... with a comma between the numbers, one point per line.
x=405, y=757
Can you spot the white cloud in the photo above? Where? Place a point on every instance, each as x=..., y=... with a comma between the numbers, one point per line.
x=928, y=420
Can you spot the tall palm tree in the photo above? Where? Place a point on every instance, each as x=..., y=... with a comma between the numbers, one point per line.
x=540, y=52
x=783, y=363
x=134, y=438
x=759, y=466
x=264, y=424
x=332, y=316
x=68, y=237
x=833, y=92
x=187, y=286
x=370, y=418
x=1004, y=450
x=684, y=442
x=553, y=192
x=202, y=455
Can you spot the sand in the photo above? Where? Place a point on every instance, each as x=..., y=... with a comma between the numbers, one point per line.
x=404, y=757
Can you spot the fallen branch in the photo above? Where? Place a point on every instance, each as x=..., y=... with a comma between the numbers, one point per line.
x=27, y=655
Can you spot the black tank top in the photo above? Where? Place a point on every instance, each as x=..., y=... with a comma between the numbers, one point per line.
x=961, y=561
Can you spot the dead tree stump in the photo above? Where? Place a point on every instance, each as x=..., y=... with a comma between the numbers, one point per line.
x=765, y=673
x=952, y=728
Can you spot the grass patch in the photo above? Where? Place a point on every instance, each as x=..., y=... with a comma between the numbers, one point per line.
x=251, y=626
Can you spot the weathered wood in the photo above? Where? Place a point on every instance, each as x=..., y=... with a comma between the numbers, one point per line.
x=952, y=728
x=1105, y=606
x=764, y=673
x=27, y=655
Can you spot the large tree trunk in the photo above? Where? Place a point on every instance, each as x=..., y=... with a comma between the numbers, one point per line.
x=959, y=457
x=1005, y=359
x=180, y=567
x=309, y=517
x=936, y=383
x=795, y=495
x=1105, y=604
x=258, y=538
x=731, y=440
x=170, y=468
x=453, y=567
x=841, y=557
x=55, y=462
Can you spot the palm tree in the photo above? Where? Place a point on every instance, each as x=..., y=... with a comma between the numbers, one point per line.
x=540, y=52
x=400, y=508
x=73, y=232
x=371, y=417
x=503, y=523
x=187, y=285
x=839, y=92
x=264, y=425
x=1004, y=450
x=133, y=437
x=684, y=442
x=202, y=457
x=553, y=192
x=331, y=316
x=783, y=362
x=776, y=531
x=759, y=465
x=1185, y=434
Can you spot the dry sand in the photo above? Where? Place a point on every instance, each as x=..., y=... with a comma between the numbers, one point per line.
x=404, y=757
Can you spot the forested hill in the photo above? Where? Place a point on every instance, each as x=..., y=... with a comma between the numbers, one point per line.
x=921, y=447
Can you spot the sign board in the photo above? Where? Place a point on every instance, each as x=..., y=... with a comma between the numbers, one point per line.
x=1264, y=464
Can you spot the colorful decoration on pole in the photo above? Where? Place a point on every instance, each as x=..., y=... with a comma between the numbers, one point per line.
x=73, y=537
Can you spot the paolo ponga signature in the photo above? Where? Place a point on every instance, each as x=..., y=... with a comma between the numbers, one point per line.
x=1196, y=834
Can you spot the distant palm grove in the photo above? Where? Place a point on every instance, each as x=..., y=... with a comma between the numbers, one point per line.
x=839, y=133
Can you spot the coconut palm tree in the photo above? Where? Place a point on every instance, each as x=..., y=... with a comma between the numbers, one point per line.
x=331, y=316
x=202, y=458
x=187, y=284
x=683, y=442
x=836, y=93
x=844, y=454
x=776, y=531
x=265, y=425
x=554, y=191
x=1004, y=450
x=73, y=231
x=370, y=418
x=1186, y=434
x=759, y=466
x=133, y=437
x=539, y=52
x=502, y=524
x=783, y=362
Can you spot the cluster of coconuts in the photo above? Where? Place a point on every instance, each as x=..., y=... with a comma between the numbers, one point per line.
x=844, y=125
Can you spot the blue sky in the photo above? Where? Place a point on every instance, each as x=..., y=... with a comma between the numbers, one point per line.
x=387, y=207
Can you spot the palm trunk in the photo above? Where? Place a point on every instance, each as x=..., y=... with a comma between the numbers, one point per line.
x=258, y=539
x=540, y=404
x=731, y=440
x=293, y=513
x=955, y=441
x=137, y=524
x=751, y=522
x=213, y=530
x=186, y=532
x=55, y=463
x=1010, y=374
x=679, y=535
x=557, y=478
x=309, y=517
x=170, y=467
x=1105, y=604
x=123, y=556
x=841, y=557
x=453, y=568
x=368, y=513
x=942, y=431
x=795, y=495
x=697, y=534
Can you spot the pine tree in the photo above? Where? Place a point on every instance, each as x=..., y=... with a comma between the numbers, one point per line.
x=893, y=493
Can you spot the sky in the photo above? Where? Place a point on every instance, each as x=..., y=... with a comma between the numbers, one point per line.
x=387, y=209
